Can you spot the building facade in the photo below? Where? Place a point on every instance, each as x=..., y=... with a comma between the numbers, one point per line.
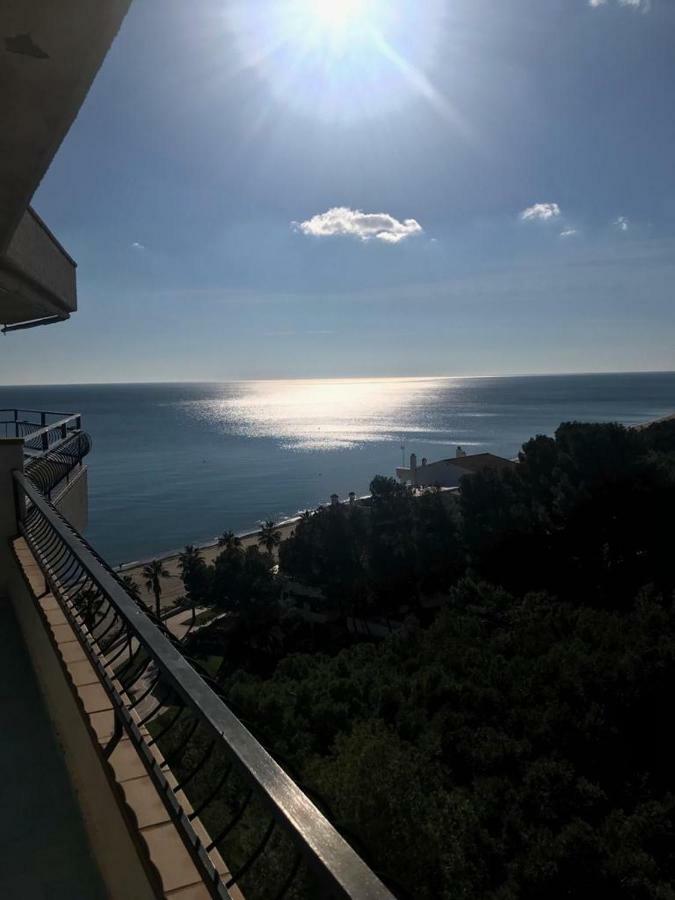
x=447, y=473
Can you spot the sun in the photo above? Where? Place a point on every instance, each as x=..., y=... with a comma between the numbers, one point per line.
x=335, y=26
x=333, y=15
x=340, y=59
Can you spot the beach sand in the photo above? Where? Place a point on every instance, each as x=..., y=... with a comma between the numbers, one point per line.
x=172, y=587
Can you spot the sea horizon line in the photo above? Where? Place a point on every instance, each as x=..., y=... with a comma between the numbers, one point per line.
x=339, y=378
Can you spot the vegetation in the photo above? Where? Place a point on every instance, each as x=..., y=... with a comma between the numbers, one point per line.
x=229, y=540
x=510, y=739
x=132, y=587
x=269, y=536
x=89, y=603
x=373, y=560
x=153, y=574
x=193, y=574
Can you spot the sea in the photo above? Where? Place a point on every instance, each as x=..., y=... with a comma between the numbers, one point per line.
x=174, y=464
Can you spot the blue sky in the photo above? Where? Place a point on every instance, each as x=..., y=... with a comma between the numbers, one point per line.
x=500, y=176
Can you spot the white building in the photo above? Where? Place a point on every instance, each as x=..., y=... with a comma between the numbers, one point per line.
x=448, y=472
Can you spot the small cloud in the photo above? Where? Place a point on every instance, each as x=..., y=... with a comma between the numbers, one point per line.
x=569, y=232
x=342, y=221
x=622, y=223
x=639, y=5
x=540, y=212
x=137, y=246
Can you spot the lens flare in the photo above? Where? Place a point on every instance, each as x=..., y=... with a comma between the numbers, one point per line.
x=344, y=59
x=334, y=15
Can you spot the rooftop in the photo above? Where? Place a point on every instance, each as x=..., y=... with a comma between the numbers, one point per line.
x=477, y=461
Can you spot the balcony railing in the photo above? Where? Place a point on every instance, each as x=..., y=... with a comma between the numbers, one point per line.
x=212, y=774
x=41, y=431
x=56, y=467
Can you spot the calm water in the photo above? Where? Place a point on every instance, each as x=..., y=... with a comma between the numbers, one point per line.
x=179, y=463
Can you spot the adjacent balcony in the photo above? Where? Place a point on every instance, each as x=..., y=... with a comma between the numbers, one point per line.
x=54, y=447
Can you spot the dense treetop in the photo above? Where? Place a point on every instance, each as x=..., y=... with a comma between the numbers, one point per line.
x=511, y=740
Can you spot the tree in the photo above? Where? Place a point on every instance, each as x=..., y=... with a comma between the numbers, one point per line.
x=195, y=575
x=190, y=559
x=89, y=603
x=523, y=736
x=229, y=541
x=132, y=588
x=270, y=536
x=153, y=574
x=380, y=556
x=522, y=729
x=588, y=509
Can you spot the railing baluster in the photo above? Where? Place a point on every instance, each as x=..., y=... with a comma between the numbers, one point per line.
x=239, y=874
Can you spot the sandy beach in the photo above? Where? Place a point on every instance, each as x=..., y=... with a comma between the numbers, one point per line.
x=172, y=587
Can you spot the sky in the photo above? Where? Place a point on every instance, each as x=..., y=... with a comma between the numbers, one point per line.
x=300, y=188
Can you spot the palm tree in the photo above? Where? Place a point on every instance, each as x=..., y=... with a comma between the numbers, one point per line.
x=270, y=536
x=132, y=588
x=153, y=573
x=88, y=603
x=189, y=559
x=229, y=541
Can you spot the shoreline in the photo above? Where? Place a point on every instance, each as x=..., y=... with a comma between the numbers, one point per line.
x=210, y=549
x=172, y=587
x=246, y=538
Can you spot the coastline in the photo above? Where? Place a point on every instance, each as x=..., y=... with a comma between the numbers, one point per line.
x=173, y=586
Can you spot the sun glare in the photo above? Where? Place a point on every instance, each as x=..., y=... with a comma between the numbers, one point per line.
x=334, y=15
x=341, y=59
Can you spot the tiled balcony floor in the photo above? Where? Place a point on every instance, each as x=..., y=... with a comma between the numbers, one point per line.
x=44, y=854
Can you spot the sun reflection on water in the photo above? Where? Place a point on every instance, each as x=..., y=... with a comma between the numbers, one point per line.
x=326, y=414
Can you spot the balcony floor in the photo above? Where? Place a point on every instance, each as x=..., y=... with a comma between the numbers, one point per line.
x=43, y=845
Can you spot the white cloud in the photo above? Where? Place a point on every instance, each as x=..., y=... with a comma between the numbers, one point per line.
x=540, y=212
x=643, y=5
x=569, y=232
x=340, y=220
x=622, y=223
x=137, y=246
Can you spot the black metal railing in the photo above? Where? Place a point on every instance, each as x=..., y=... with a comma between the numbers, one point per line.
x=55, y=467
x=42, y=431
x=230, y=800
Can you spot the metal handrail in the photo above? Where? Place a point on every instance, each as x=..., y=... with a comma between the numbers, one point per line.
x=43, y=436
x=37, y=412
x=112, y=625
x=49, y=470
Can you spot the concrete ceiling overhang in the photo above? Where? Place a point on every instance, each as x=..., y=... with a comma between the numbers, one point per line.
x=37, y=276
x=50, y=51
